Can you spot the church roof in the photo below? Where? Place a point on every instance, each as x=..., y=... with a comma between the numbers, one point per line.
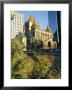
x=48, y=29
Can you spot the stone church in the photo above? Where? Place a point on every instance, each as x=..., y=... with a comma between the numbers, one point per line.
x=33, y=31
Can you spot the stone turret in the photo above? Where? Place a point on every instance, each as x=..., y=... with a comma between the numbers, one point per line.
x=32, y=20
x=48, y=29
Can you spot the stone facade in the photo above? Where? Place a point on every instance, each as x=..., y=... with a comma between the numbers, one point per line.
x=31, y=30
x=46, y=36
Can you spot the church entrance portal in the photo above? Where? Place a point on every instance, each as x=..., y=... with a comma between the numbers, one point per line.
x=49, y=44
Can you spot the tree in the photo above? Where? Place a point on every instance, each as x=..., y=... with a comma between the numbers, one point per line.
x=37, y=43
x=40, y=69
x=16, y=45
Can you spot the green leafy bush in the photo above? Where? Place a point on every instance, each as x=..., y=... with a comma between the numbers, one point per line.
x=31, y=67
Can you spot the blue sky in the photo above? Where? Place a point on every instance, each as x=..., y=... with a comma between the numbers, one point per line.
x=43, y=18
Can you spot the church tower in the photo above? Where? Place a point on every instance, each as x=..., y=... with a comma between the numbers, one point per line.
x=31, y=22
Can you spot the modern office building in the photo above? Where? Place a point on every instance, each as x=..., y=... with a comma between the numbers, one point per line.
x=16, y=23
x=57, y=34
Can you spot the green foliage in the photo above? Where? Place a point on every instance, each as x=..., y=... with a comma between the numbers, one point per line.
x=37, y=43
x=41, y=68
x=44, y=68
x=54, y=75
x=22, y=67
x=31, y=67
x=16, y=45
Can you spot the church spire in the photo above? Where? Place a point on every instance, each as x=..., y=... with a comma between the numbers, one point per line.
x=48, y=26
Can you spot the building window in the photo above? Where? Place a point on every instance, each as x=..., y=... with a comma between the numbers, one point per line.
x=51, y=36
x=48, y=36
x=41, y=33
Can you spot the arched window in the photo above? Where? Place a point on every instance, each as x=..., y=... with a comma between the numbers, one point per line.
x=49, y=44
